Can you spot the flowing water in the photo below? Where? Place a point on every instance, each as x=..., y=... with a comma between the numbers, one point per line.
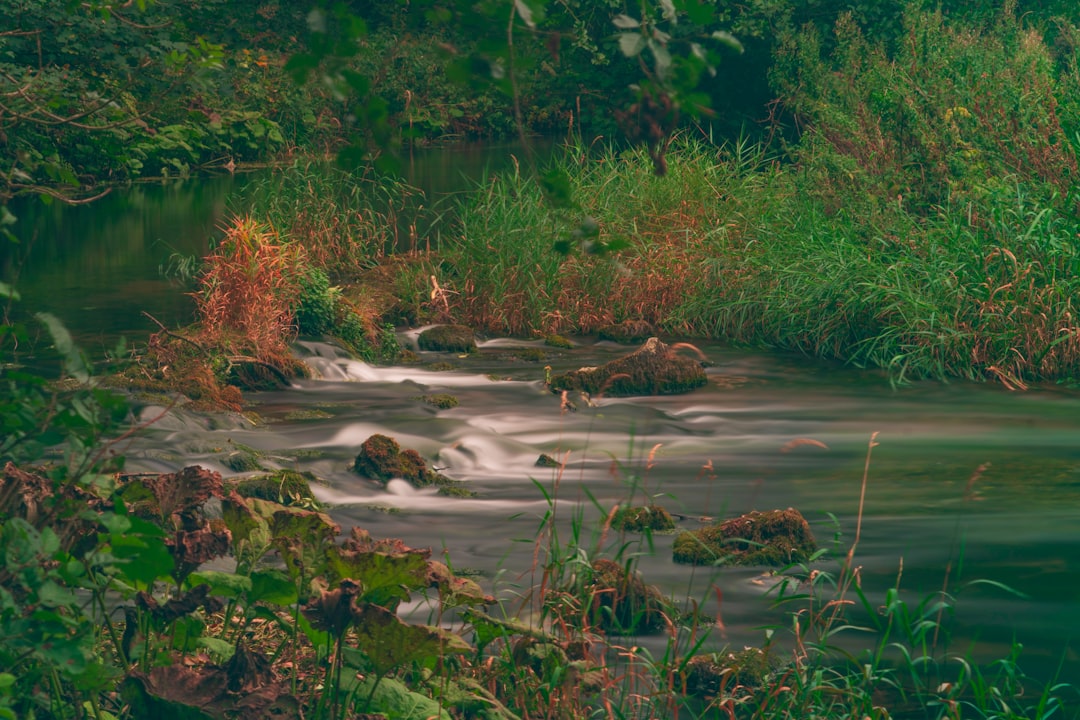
x=967, y=482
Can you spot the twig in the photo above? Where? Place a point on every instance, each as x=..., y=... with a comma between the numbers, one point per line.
x=171, y=334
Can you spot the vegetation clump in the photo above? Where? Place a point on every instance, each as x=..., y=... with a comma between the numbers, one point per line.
x=381, y=458
x=628, y=332
x=287, y=487
x=733, y=671
x=558, y=341
x=773, y=537
x=619, y=601
x=653, y=369
x=443, y=401
x=448, y=338
x=642, y=518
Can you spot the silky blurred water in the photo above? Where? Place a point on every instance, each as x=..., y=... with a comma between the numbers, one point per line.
x=736, y=445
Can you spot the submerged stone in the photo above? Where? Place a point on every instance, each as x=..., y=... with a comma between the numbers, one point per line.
x=652, y=369
x=448, y=338
x=774, y=537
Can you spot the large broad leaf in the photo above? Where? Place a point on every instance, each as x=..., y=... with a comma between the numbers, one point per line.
x=301, y=536
x=250, y=530
x=386, y=578
x=226, y=584
x=393, y=699
x=389, y=643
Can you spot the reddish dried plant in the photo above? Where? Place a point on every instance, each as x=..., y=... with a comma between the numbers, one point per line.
x=248, y=289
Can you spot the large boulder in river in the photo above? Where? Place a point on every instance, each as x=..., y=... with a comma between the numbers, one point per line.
x=774, y=537
x=652, y=369
x=448, y=338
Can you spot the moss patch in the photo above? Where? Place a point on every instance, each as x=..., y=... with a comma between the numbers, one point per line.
x=621, y=602
x=381, y=458
x=287, y=487
x=774, y=537
x=448, y=338
x=709, y=675
x=443, y=401
x=652, y=369
x=558, y=341
x=640, y=519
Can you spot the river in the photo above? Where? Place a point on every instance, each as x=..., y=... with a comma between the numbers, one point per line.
x=967, y=482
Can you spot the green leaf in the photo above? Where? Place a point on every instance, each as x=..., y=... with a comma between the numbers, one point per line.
x=631, y=44
x=225, y=584
x=272, y=586
x=300, y=66
x=389, y=643
x=74, y=362
x=221, y=648
x=728, y=39
x=386, y=578
x=394, y=699
x=558, y=192
x=8, y=291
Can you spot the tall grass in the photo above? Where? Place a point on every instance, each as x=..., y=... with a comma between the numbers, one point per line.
x=346, y=221
x=924, y=224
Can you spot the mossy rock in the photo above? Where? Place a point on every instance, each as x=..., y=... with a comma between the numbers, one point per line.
x=628, y=332
x=652, y=369
x=709, y=674
x=448, y=338
x=546, y=461
x=382, y=459
x=443, y=401
x=242, y=461
x=525, y=354
x=640, y=519
x=773, y=537
x=287, y=487
x=558, y=341
x=620, y=602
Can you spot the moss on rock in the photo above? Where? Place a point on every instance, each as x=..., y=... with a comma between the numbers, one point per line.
x=287, y=487
x=711, y=674
x=773, y=537
x=652, y=369
x=443, y=401
x=642, y=518
x=382, y=459
x=448, y=338
x=621, y=602
x=558, y=341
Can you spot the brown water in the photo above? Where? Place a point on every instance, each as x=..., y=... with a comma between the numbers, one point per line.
x=1017, y=523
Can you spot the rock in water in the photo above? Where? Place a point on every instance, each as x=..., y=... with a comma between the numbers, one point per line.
x=774, y=537
x=448, y=338
x=652, y=369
